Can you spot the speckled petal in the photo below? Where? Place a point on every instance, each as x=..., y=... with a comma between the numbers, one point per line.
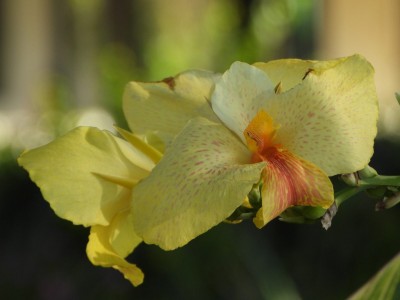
x=288, y=181
x=203, y=177
x=238, y=94
x=86, y=175
x=101, y=253
x=164, y=107
x=330, y=118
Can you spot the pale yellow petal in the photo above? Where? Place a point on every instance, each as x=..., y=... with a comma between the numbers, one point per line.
x=330, y=118
x=139, y=144
x=203, y=177
x=164, y=107
x=238, y=96
x=79, y=172
x=101, y=253
x=122, y=237
x=290, y=72
x=289, y=181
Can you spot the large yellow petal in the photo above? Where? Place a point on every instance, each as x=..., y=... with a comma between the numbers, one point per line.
x=101, y=253
x=86, y=175
x=330, y=118
x=288, y=181
x=203, y=177
x=164, y=107
x=238, y=96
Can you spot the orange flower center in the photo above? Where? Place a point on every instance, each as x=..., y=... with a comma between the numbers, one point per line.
x=260, y=134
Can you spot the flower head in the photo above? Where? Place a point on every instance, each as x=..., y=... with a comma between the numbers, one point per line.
x=288, y=123
x=87, y=176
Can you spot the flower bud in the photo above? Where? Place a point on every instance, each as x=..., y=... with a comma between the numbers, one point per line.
x=388, y=202
x=302, y=214
x=367, y=172
x=350, y=179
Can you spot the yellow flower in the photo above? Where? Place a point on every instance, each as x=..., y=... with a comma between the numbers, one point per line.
x=289, y=123
x=87, y=176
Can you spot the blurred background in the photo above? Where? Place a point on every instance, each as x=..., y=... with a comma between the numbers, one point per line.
x=65, y=64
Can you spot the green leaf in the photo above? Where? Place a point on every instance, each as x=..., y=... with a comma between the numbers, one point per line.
x=384, y=285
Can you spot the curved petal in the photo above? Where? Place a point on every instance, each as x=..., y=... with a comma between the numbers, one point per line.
x=202, y=178
x=101, y=253
x=86, y=175
x=122, y=237
x=166, y=106
x=288, y=181
x=330, y=118
x=238, y=95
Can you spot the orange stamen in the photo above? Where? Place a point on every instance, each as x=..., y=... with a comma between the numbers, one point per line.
x=260, y=135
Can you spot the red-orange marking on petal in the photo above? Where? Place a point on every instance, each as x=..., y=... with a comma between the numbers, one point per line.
x=288, y=181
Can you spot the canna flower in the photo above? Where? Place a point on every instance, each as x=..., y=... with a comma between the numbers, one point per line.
x=87, y=176
x=284, y=126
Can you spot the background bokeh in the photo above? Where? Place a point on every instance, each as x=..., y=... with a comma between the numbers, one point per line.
x=65, y=64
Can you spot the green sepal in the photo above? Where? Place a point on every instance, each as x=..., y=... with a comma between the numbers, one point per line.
x=302, y=214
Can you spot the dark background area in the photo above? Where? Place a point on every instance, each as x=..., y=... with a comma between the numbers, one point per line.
x=43, y=257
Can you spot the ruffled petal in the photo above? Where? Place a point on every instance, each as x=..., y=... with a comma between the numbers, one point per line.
x=87, y=174
x=238, y=96
x=101, y=253
x=203, y=177
x=330, y=118
x=288, y=181
x=164, y=107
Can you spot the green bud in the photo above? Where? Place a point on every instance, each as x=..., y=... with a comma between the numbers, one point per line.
x=397, y=97
x=255, y=195
x=388, y=202
x=367, y=172
x=302, y=214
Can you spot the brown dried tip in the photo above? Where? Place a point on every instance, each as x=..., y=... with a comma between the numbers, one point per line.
x=326, y=219
x=170, y=81
x=306, y=74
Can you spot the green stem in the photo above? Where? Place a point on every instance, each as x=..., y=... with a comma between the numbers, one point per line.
x=347, y=193
x=380, y=180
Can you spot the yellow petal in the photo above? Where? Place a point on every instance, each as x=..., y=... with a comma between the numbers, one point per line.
x=122, y=237
x=202, y=178
x=139, y=144
x=77, y=174
x=330, y=118
x=101, y=253
x=238, y=96
x=289, y=181
x=290, y=72
x=165, y=107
